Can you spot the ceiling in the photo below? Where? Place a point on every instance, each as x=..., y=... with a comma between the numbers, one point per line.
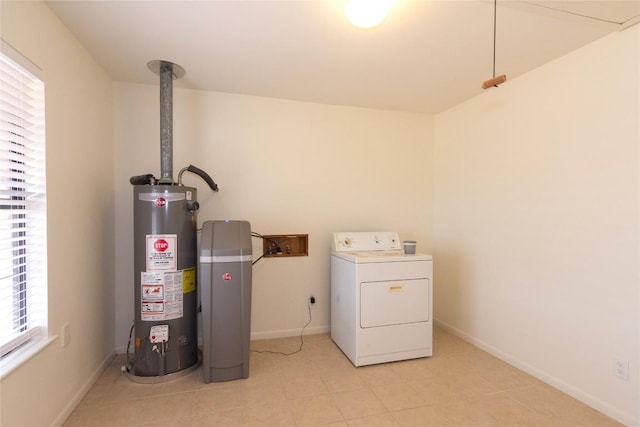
x=428, y=56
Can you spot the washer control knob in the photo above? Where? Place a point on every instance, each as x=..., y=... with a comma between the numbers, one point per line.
x=347, y=242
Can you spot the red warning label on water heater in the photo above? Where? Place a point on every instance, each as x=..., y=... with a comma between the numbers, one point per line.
x=161, y=245
x=162, y=252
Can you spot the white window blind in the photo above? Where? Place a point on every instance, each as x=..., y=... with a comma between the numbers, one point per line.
x=23, y=233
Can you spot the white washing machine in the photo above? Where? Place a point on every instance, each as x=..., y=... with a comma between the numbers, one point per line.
x=381, y=299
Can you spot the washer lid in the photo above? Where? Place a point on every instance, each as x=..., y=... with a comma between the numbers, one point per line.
x=366, y=257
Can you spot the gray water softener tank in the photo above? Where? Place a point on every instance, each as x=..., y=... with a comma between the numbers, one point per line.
x=224, y=282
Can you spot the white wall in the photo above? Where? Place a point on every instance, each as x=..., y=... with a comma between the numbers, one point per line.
x=535, y=207
x=536, y=219
x=79, y=138
x=287, y=167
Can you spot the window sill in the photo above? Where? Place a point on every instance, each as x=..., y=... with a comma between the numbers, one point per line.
x=18, y=357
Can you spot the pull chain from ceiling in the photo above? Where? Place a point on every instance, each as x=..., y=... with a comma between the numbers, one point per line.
x=495, y=81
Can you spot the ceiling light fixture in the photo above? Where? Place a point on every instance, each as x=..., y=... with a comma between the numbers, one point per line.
x=496, y=80
x=367, y=13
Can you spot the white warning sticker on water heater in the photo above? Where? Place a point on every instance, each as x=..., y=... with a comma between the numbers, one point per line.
x=162, y=252
x=161, y=295
x=159, y=333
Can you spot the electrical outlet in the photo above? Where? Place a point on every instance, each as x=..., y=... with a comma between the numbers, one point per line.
x=65, y=334
x=621, y=368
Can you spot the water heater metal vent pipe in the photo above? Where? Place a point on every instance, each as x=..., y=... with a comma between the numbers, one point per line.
x=165, y=249
x=167, y=71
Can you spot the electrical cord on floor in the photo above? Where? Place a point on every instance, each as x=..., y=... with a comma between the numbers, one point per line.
x=301, y=339
x=277, y=246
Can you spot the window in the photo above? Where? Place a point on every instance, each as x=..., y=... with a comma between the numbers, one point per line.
x=23, y=232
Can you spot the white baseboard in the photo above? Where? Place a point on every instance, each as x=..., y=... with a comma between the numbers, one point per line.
x=77, y=398
x=586, y=398
x=289, y=333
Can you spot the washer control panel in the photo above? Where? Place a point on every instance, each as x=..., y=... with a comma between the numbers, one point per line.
x=357, y=241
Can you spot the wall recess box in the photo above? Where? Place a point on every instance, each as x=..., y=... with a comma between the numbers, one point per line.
x=285, y=245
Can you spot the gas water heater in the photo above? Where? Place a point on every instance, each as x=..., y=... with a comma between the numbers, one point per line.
x=165, y=255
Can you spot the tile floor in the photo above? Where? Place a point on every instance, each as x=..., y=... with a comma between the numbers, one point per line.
x=459, y=386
